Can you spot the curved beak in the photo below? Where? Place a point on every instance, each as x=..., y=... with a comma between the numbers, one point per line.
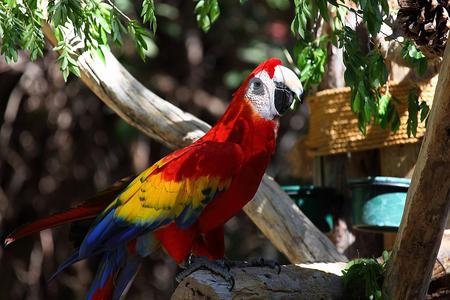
x=288, y=91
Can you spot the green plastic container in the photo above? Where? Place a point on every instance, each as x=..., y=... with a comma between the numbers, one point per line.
x=378, y=203
x=317, y=203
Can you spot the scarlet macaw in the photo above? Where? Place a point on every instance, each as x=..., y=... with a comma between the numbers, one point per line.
x=182, y=201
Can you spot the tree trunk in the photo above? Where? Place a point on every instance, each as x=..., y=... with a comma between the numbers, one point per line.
x=427, y=203
x=272, y=210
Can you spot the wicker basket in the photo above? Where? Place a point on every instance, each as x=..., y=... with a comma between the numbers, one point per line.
x=333, y=127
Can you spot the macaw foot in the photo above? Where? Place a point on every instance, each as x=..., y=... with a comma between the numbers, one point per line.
x=257, y=262
x=219, y=267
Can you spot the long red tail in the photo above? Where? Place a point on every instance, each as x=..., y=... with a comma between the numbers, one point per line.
x=88, y=209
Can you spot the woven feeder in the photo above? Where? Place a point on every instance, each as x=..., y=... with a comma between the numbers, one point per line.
x=334, y=129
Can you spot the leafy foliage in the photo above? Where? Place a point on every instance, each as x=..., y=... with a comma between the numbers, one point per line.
x=207, y=12
x=148, y=14
x=302, y=14
x=20, y=33
x=139, y=34
x=67, y=63
x=414, y=57
x=413, y=111
x=366, y=73
x=372, y=12
x=92, y=25
x=89, y=24
x=363, y=278
x=312, y=58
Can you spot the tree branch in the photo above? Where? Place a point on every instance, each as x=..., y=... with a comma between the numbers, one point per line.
x=272, y=210
x=303, y=281
x=299, y=282
x=427, y=203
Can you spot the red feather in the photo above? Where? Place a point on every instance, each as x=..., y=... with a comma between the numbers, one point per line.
x=88, y=209
x=257, y=138
x=106, y=291
x=82, y=212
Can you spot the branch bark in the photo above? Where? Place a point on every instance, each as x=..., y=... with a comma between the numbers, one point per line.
x=303, y=281
x=427, y=204
x=299, y=282
x=272, y=210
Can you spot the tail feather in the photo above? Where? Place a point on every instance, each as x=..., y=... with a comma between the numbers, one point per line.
x=102, y=288
x=103, y=292
x=127, y=276
x=75, y=257
x=68, y=262
x=88, y=209
x=82, y=212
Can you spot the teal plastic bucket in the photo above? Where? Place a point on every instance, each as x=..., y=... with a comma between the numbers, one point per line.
x=317, y=203
x=378, y=203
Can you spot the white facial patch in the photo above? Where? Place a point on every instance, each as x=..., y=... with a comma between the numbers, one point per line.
x=260, y=93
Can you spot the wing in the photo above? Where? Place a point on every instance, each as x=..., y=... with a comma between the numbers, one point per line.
x=175, y=189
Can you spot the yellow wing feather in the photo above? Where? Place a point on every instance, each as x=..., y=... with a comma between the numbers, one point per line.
x=157, y=199
x=152, y=199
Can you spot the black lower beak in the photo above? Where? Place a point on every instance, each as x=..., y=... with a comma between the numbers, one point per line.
x=283, y=100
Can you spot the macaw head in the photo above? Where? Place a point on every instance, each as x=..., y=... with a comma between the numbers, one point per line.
x=272, y=89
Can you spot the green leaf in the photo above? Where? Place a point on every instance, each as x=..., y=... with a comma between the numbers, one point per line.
x=356, y=103
x=66, y=62
x=11, y=3
x=424, y=111
x=362, y=123
x=383, y=104
x=311, y=59
x=363, y=278
x=323, y=8
x=301, y=17
x=207, y=12
x=415, y=58
x=117, y=28
x=75, y=70
x=395, y=123
x=366, y=74
x=367, y=112
x=100, y=55
x=413, y=109
x=139, y=34
x=385, y=6
x=148, y=14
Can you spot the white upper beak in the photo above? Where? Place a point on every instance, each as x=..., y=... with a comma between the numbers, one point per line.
x=289, y=79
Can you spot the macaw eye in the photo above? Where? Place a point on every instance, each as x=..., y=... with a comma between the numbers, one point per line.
x=256, y=85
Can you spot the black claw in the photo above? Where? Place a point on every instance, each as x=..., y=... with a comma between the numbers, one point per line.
x=219, y=267
x=260, y=262
x=231, y=282
x=271, y=264
x=278, y=266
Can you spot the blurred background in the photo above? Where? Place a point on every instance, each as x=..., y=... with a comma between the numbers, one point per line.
x=59, y=143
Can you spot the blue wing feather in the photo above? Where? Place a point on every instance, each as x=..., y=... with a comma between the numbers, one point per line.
x=103, y=285
x=127, y=276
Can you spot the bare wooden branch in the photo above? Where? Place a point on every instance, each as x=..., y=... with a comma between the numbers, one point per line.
x=440, y=280
x=427, y=205
x=303, y=281
x=271, y=210
x=316, y=281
